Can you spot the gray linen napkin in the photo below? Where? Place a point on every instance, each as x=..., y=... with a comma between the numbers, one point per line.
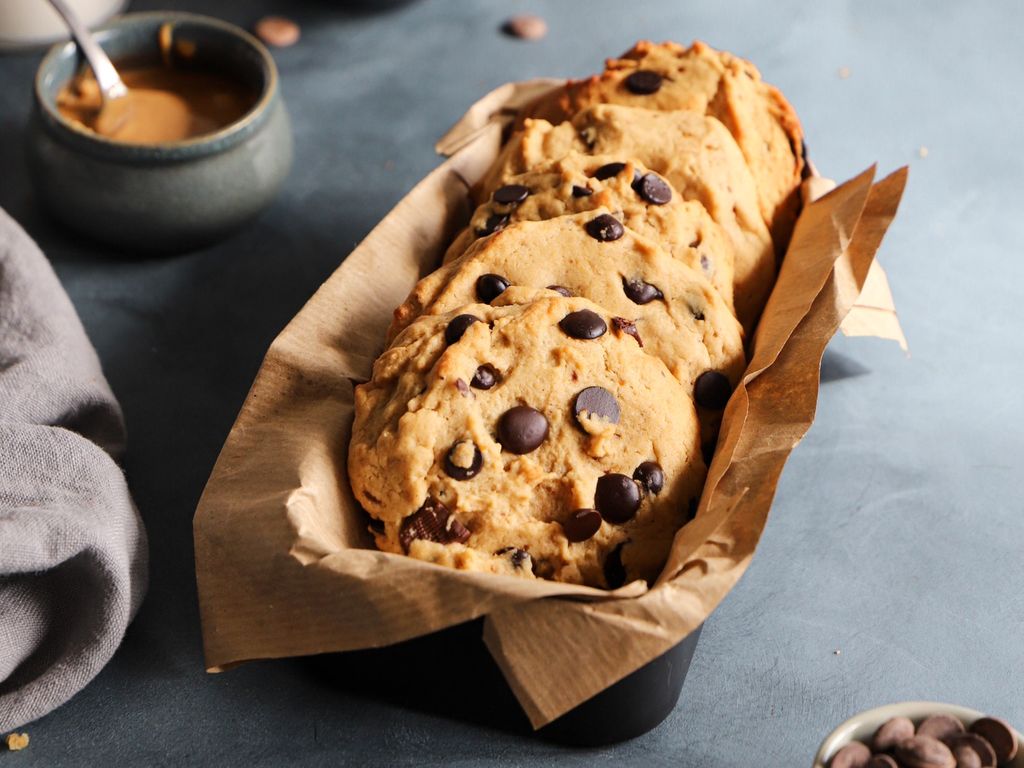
x=72, y=547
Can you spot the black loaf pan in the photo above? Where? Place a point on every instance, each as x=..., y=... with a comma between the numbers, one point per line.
x=451, y=673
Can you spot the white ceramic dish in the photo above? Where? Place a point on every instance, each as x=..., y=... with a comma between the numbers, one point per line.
x=861, y=727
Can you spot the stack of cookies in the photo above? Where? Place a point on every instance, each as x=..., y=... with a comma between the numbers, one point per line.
x=551, y=395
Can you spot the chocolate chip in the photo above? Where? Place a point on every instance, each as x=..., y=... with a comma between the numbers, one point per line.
x=486, y=376
x=712, y=390
x=463, y=388
x=940, y=727
x=457, y=326
x=924, y=752
x=614, y=570
x=651, y=476
x=432, y=522
x=463, y=461
x=605, y=228
x=608, y=170
x=518, y=557
x=622, y=325
x=583, y=324
x=640, y=292
x=522, y=429
x=560, y=289
x=489, y=287
x=510, y=194
x=882, y=761
x=963, y=743
x=578, y=191
x=643, y=82
x=653, y=189
x=892, y=732
x=582, y=524
x=595, y=403
x=1000, y=735
x=853, y=755
x=495, y=222
x=617, y=498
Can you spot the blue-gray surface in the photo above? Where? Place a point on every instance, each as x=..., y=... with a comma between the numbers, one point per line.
x=896, y=537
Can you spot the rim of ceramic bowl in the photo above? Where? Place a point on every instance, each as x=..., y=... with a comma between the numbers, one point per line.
x=208, y=143
x=915, y=710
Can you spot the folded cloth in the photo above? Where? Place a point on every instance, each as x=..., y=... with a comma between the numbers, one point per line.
x=72, y=547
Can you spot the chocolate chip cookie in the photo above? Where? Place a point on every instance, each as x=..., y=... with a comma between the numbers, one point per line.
x=528, y=439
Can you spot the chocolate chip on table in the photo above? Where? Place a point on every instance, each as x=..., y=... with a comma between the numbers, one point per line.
x=643, y=82
x=605, y=228
x=583, y=324
x=1000, y=735
x=518, y=557
x=277, y=31
x=457, y=326
x=639, y=292
x=463, y=461
x=614, y=570
x=522, y=429
x=511, y=194
x=494, y=223
x=924, y=752
x=596, y=403
x=578, y=191
x=617, y=498
x=489, y=287
x=972, y=742
x=853, y=755
x=432, y=522
x=882, y=761
x=653, y=189
x=608, y=170
x=486, y=376
x=940, y=726
x=651, y=476
x=712, y=390
x=525, y=27
x=581, y=525
x=622, y=325
x=560, y=289
x=892, y=732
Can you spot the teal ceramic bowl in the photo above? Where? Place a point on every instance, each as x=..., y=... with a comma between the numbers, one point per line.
x=168, y=197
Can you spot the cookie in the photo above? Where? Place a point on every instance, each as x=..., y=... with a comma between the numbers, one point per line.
x=528, y=439
x=639, y=198
x=694, y=153
x=709, y=82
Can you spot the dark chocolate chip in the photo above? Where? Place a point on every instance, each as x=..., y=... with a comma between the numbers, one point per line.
x=463, y=388
x=653, y=189
x=617, y=498
x=510, y=194
x=853, y=755
x=595, y=402
x=622, y=325
x=495, y=222
x=608, y=170
x=643, y=82
x=712, y=390
x=582, y=524
x=486, y=376
x=454, y=468
x=458, y=326
x=605, y=228
x=614, y=570
x=940, y=726
x=560, y=289
x=640, y=292
x=892, y=732
x=651, y=476
x=522, y=429
x=578, y=191
x=489, y=287
x=518, y=557
x=432, y=522
x=583, y=324
x=924, y=752
x=1000, y=735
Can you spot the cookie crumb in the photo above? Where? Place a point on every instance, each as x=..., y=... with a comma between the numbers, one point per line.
x=16, y=741
x=278, y=31
x=844, y=73
x=922, y=152
x=525, y=27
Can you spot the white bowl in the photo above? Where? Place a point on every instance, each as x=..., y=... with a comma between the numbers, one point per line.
x=862, y=727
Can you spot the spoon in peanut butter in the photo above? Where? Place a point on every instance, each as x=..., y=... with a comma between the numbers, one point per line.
x=116, y=108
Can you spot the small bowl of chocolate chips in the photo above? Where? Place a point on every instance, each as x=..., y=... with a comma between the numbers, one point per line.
x=922, y=734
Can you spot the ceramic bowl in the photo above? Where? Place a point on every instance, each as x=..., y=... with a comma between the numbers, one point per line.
x=861, y=727
x=166, y=197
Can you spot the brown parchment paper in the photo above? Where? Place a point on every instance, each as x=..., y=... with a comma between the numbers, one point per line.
x=285, y=566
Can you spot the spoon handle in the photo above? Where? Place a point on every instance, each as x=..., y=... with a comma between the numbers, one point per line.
x=106, y=76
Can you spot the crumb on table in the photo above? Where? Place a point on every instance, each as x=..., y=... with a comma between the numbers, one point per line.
x=16, y=741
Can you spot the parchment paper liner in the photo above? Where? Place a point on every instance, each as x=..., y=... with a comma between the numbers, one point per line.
x=285, y=566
